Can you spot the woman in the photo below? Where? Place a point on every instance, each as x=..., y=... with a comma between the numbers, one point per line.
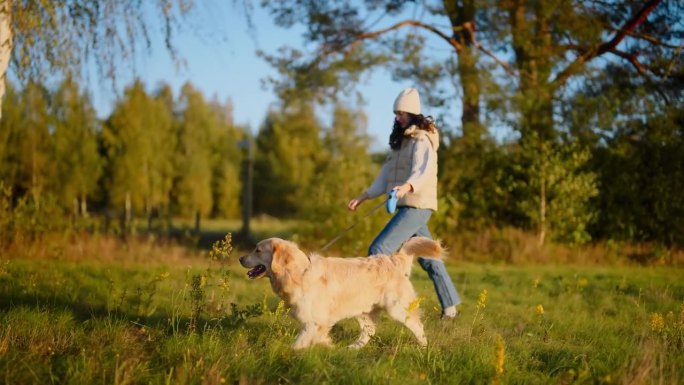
x=411, y=170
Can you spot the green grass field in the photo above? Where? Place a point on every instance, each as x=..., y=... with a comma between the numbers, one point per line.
x=197, y=320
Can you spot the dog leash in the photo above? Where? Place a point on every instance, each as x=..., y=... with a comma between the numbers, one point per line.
x=390, y=204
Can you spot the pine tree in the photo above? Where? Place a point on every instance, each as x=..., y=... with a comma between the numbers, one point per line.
x=415, y=41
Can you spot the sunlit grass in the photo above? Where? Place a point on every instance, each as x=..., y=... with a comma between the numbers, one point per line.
x=196, y=318
x=261, y=226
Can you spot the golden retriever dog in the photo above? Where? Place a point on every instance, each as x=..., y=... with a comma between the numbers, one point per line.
x=322, y=291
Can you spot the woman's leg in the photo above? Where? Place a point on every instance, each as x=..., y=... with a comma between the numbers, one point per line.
x=406, y=223
x=403, y=225
x=446, y=291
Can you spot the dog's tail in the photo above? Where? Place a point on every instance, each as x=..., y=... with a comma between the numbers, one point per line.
x=420, y=247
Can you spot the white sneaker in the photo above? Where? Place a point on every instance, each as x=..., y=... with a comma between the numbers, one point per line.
x=450, y=312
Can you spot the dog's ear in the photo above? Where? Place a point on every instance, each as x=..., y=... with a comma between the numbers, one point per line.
x=280, y=257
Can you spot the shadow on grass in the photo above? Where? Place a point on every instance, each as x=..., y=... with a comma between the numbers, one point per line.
x=170, y=325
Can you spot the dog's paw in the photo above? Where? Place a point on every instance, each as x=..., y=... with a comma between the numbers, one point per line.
x=357, y=345
x=299, y=345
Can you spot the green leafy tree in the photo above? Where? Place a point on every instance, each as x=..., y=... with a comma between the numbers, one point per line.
x=642, y=177
x=636, y=127
x=75, y=151
x=165, y=126
x=226, y=161
x=193, y=186
x=39, y=38
x=10, y=135
x=34, y=160
x=472, y=177
x=523, y=59
x=344, y=171
x=138, y=165
x=352, y=39
x=288, y=154
x=558, y=189
x=554, y=42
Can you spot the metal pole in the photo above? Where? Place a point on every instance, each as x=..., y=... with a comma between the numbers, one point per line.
x=248, y=190
x=247, y=146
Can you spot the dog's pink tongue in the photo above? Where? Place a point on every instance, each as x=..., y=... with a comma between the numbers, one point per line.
x=256, y=272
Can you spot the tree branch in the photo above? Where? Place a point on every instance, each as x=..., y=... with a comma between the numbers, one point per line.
x=632, y=58
x=450, y=40
x=412, y=23
x=648, y=38
x=608, y=46
x=506, y=66
x=349, y=46
x=328, y=49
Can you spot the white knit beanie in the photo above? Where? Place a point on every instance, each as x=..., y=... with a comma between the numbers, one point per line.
x=408, y=101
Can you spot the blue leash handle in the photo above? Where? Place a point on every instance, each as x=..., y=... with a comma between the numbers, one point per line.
x=391, y=204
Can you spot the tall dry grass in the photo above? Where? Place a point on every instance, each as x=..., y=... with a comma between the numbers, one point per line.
x=518, y=247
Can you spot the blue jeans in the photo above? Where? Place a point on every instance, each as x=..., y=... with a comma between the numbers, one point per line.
x=406, y=223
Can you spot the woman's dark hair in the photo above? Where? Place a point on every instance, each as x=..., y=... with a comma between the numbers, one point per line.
x=426, y=123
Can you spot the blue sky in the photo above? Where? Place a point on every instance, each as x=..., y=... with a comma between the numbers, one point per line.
x=228, y=68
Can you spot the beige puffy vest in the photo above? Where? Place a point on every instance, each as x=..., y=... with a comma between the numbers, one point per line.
x=399, y=169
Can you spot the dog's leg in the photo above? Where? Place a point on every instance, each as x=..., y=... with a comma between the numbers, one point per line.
x=410, y=319
x=323, y=335
x=305, y=337
x=312, y=334
x=367, y=325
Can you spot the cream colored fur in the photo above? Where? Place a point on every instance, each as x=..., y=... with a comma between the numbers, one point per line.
x=322, y=291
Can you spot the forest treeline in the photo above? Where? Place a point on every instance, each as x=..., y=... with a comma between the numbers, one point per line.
x=160, y=155
x=592, y=93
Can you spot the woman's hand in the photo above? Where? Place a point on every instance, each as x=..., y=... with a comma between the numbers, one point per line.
x=403, y=190
x=354, y=203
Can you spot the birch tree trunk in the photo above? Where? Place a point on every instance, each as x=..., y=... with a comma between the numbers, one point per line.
x=5, y=44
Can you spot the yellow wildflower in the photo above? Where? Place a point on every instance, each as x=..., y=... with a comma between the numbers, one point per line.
x=657, y=322
x=482, y=302
x=500, y=354
x=499, y=360
x=414, y=304
x=582, y=282
x=540, y=309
